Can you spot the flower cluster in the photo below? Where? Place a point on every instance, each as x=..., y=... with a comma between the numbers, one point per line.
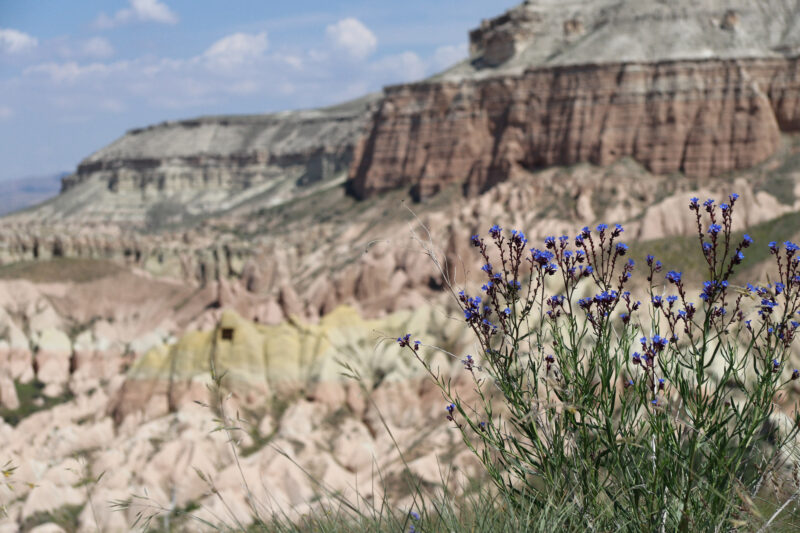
x=405, y=340
x=575, y=361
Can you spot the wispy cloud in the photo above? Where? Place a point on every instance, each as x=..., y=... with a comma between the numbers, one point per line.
x=98, y=47
x=352, y=37
x=14, y=41
x=6, y=112
x=406, y=66
x=237, y=49
x=139, y=11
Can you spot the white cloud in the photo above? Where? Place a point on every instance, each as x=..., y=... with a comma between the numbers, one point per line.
x=447, y=56
x=139, y=11
x=98, y=47
x=14, y=41
x=403, y=67
x=236, y=49
x=71, y=71
x=352, y=37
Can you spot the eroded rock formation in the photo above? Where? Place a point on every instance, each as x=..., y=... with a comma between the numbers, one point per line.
x=702, y=88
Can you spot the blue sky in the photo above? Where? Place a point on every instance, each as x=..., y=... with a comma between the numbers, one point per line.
x=75, y=75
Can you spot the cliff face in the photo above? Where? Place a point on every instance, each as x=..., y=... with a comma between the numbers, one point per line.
x=701, y=88
x=211, y=164
x=700, y=118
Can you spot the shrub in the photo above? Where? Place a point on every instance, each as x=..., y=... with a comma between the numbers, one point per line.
x=642, y=417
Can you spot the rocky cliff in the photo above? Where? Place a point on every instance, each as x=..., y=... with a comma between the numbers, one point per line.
x=174, y=170
x=701, y=88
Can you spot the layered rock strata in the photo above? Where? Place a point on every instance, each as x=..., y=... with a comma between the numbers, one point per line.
x=700, y=88
x=164, y=172
x=699, y=118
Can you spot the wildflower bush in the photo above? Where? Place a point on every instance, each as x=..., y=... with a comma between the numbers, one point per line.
x=641, y=416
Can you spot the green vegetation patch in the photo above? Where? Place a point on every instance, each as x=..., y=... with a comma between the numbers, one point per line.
x=31, y=400
x=65, y=516
x=60, y=269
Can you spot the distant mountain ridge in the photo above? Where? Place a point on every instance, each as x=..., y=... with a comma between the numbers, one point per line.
x=21, y=193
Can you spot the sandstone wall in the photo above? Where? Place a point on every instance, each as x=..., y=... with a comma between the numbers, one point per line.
x=701, y=118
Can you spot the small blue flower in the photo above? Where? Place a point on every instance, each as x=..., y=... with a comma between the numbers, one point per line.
x=713, y=229
x=601, y=228
x=674, y=277
x=622, y=248
x=487, y=268
x=724, y=207
x=518, y=238
x=495, y=231
x=506, y=311
x=747, y=240
x=659, y=342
